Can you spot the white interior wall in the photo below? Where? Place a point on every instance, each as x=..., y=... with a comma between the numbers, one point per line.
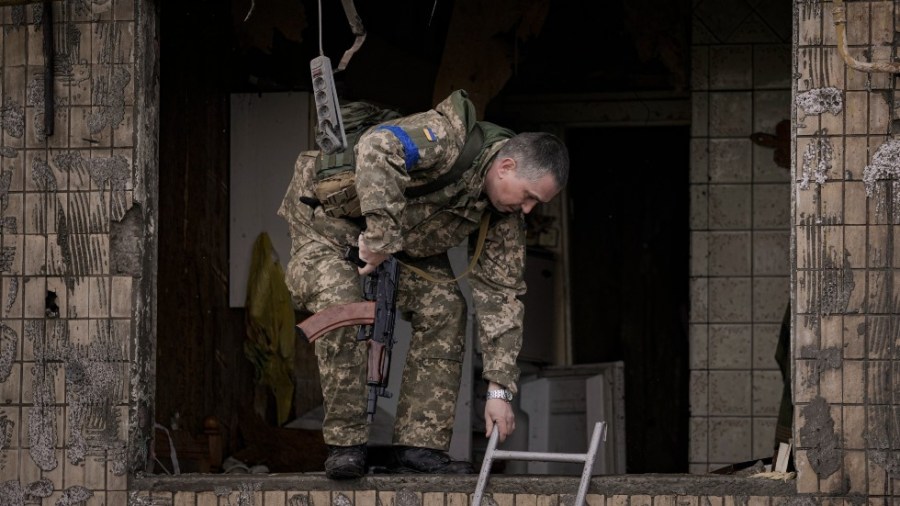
x=268, y=131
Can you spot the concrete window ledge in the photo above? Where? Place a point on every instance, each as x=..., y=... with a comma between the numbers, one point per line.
x=647, y=485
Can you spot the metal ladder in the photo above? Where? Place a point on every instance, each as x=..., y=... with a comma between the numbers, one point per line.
x=493, y=453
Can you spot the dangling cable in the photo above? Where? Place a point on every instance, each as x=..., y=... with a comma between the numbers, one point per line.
x=357, y=28
x=321, y=51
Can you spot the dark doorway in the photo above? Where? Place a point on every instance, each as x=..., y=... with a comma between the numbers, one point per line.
x=629, y=255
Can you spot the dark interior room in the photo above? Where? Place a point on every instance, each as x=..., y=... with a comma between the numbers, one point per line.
x=627, y=198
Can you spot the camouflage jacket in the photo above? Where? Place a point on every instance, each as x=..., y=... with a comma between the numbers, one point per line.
x=386, y=164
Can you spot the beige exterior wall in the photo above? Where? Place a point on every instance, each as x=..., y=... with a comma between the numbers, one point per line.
x=845, y=216
x=67, y=224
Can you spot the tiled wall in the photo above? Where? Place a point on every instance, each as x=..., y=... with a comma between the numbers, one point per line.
x=67, y=226
x=740, y=228
x=249, y=496
x=846, y=347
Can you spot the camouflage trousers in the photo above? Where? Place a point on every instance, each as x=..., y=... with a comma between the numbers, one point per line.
x=318, y=277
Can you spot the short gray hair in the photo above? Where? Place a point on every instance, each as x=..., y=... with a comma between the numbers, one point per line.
x=538, y=154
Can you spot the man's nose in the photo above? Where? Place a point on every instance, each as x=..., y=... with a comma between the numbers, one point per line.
x=527, y=207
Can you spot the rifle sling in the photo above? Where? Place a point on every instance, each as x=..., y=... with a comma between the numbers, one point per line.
x=479, y=246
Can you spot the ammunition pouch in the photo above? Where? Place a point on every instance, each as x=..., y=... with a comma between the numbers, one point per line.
x=337, y=194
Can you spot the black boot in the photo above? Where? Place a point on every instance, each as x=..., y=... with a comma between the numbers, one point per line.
x=414, y=459
x=345, y=462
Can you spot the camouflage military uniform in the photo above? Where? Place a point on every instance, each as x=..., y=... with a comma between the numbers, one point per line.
x=423, y=229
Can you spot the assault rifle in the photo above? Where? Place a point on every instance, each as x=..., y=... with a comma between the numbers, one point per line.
x=376, y=317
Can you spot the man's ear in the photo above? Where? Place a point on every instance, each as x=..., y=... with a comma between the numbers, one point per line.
x=507, y=166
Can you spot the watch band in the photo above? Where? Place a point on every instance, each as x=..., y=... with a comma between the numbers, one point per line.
x=500, y=393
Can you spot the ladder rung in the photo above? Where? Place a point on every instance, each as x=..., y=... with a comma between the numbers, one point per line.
x=544, y=457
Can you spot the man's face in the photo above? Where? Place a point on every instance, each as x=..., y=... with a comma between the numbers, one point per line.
x=510, y=193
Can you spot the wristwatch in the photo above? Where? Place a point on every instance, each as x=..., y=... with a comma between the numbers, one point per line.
x=500, y=393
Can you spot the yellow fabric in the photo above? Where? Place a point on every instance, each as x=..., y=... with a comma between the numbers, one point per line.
x=270, y=326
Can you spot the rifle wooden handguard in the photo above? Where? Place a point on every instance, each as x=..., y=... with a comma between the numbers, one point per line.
x=334, y=317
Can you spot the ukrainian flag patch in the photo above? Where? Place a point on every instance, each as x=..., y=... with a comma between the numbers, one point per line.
x=429, y=134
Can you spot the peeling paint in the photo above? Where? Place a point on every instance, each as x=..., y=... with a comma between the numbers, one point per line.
x=818, y=434
x=95, y=381
x=299, y=500
x=12, y=295
x=8, y=152
x=134, y=499
x=83, y=7
x=245, y=495
x=828, y=358
x=406, y=497
x=67, y=51
x=111, y=50
x=810, y=8
x=14, y=495
x=801, y=500
x=6, y=433
x=819, y=71
x=837, y=285
x=827, y=281
x=7, y=255
x=12, y=492
x=42, y=417
x=109, y=94
x=12, y=118
x=43, y=176
x=115, y=171
x=821, y=100
x=40, y=488
x=881, y=336
x=70, y=161
x=17, y=16
x=74, y=496
x=887, y=460
x=5, y=181
x=816, y=160
x=6, y=428
x=9, y=342
x=34, y=97
x=342, y=500
x=885, y=166
x=8, y=225
x=34, y=92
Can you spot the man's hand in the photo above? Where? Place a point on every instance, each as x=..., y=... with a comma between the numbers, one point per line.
x=499, y=412
x=371, y=258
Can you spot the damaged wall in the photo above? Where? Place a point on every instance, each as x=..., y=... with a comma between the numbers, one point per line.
x=73, y=222
x=845, y=212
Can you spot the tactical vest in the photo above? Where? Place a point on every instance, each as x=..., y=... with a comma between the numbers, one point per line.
x=335, y=187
